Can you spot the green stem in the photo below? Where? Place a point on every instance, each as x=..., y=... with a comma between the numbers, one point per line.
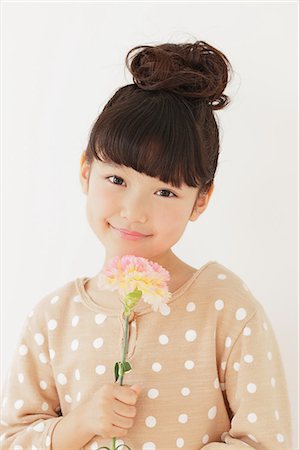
x=123, y=361
x=125, y=348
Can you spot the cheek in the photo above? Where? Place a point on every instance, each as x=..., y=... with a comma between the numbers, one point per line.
x=172, y=219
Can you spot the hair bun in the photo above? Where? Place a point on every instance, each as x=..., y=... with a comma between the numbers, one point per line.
x=197, y=71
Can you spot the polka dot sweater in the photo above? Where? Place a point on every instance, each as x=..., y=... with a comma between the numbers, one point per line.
x=211, y=369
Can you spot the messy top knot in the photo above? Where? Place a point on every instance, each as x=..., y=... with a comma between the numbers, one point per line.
x=163, y=124
x=197, y=71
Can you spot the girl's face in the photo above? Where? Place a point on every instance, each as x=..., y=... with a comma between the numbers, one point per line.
x=119, y=197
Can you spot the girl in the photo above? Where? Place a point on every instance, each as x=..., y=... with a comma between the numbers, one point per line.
x=209, y=374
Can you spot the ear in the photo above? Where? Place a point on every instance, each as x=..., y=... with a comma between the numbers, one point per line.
x=84, y=173
x=201, y=204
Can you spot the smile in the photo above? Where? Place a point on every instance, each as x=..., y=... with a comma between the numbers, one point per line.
x=129, y=235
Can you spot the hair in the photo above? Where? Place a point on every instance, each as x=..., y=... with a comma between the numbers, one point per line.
x=163, y=124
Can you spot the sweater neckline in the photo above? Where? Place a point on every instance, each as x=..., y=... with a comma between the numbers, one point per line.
x=141, y=307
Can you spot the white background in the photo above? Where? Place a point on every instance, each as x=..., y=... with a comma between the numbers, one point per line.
x=62, y=61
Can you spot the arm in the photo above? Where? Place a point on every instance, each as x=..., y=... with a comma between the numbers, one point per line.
x=31, y=409
x=256, y=391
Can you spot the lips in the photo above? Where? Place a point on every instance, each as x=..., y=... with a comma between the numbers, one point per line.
x=130, y=233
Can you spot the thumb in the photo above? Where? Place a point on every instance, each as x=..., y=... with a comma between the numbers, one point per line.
x=136, y=388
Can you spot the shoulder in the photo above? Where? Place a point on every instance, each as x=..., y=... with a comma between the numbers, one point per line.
x=226, y=293
x=59, y=302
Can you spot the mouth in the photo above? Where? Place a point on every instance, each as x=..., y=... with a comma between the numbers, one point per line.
x=130, y=235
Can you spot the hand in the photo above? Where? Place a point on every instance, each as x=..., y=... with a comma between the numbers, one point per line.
x=111, y=410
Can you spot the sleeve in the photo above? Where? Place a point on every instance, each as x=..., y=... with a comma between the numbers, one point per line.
x=255, y=392
x=30, y=405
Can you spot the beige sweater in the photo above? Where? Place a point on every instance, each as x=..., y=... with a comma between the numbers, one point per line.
x=211, y=370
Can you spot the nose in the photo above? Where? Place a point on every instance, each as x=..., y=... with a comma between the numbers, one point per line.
x=134, y=208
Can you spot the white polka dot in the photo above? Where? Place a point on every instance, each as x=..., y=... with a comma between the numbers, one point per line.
x=189, y=364
x=39, y=427
x=183, y=418
x=94, y=446
x=45, y=406
x=253, y=438
x=100, y=318
x=150, y=421
x=241, y=314
x=23, y=350
x=180, y=442
x=223, y=365
x=190, y=307
x=78, y=398
x=252, y=417
x=43, y=385
x=19, y=404
x=100, y=369
x=205, y=439
x=21, y=377
x=236, y=366
x=276, y=413
x=156, y=367
x=251, y=388
x=212, y=412
x=216, y=383
x=185, y=391
x=247, y=331
x=221, y=276
x=269, y=356
x=75, y=321
x=48, y=441
x=77, y=299
x=52, y=353
x=228, y=342
x=77, y=374
x=61, y=378
x=52, y=324
x=219, y=305
x=190, y=335
x=248, y=358
x=153, y=393
x=273, y=382
x=43, y=359
x=98, y=342
x=75, y=345
x=149, y=446
x=265, y=326
x=163, y=339
x=39, y=338
x=68, y=398
x=280, y=437
x=224, y=437
x=164, y=309
x=55, y=299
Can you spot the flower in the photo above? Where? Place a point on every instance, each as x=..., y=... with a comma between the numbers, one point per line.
x=135, y=277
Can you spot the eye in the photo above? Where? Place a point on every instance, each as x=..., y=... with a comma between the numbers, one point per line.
x=167, y=191
x=116, y=178
x=119, y=182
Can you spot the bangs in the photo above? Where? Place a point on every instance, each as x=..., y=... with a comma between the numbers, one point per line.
x=154, y=133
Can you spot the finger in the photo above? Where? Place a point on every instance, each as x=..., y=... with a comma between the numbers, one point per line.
x=123, y=409
x=122, y=422
x=125, y=394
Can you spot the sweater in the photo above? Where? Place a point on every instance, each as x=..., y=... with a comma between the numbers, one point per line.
x=211, y=368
